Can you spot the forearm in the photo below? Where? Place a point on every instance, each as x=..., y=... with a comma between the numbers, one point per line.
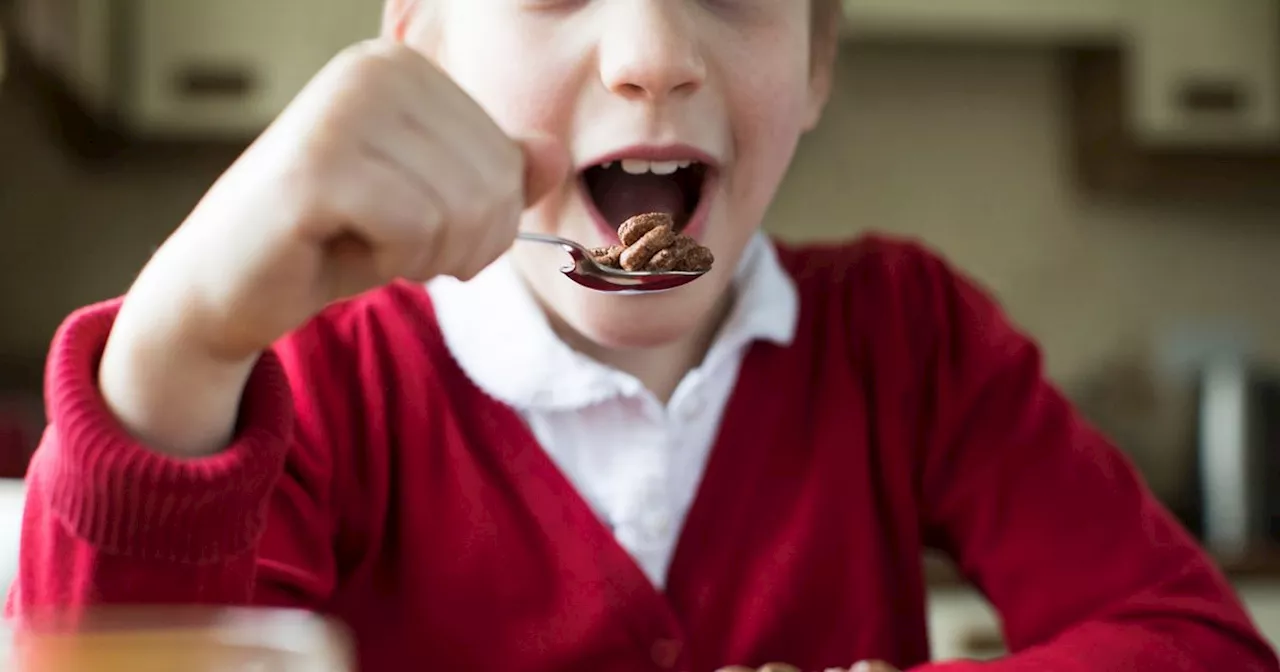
x=165, y=389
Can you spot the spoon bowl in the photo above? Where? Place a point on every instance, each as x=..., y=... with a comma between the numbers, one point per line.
x=586, y=272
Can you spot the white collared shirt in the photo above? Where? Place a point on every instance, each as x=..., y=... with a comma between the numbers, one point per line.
x=637, y=463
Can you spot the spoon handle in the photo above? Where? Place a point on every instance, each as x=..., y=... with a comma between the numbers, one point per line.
x=569, y=246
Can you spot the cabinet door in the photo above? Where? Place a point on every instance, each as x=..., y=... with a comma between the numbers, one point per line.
x=1033, y=21
x=1206, y=73
x=228, y=67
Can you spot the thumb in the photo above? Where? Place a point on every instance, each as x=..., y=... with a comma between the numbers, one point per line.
x=546, y=166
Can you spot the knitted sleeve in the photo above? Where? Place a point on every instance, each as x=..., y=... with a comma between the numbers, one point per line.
x=109, y=521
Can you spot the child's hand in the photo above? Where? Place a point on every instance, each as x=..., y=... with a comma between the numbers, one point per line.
x=382, y=168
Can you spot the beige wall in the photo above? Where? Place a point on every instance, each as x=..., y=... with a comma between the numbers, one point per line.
x=964, y=148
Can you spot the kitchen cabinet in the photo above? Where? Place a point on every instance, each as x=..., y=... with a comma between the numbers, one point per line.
x=1112, y=157
x=1205, y=74
x=986, y=21
x=1165, y=98
x=70, y=38
x=1187, y=107
x=229, y=67
x=185, y=70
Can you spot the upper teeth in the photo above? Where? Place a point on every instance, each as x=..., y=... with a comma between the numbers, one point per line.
x=640, y=166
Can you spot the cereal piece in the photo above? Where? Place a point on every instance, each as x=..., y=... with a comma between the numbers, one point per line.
x=669, y=259
x=696, y=258
x=635, y=228
x=664, y=260
x=608, y=256
x=683, y=244
x=637, y=255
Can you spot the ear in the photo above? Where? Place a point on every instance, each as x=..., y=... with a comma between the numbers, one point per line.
x=822, y=66
x=396, y=17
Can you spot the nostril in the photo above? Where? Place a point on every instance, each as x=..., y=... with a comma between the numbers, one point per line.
x=629, y=90
x=687, y=87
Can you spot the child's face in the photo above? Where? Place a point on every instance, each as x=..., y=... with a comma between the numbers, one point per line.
x=725, y=84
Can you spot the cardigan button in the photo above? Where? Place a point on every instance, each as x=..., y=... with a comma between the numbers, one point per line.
x=665, y=653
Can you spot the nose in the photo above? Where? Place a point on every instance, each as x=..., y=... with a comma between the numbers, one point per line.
x=651, y=51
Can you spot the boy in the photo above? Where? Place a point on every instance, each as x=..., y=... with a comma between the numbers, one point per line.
x=518, y=473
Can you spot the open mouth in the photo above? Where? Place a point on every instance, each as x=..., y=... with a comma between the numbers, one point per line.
x=620, y=190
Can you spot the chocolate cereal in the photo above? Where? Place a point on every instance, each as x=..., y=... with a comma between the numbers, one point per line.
x=650, y=243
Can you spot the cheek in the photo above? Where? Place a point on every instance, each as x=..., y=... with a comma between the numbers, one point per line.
x=771, y=109
x=522, y=86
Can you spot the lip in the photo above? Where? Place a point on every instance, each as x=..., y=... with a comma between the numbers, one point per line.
x=656, y=153
x=675, y=152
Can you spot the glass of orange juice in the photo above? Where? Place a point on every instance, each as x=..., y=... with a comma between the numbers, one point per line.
x=177, y=639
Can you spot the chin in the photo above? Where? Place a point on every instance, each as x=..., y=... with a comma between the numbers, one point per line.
x=637, y=323
x=627, y=322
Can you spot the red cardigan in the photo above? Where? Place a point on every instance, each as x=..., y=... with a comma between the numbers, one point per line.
x=372, y=480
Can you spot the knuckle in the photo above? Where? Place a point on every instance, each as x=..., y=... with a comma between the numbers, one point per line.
x=364, y=63
x=355, y=55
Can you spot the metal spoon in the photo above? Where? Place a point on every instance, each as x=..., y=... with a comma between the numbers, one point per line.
x=586, y=272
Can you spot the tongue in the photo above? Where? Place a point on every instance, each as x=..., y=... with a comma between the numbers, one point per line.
x=621, y=196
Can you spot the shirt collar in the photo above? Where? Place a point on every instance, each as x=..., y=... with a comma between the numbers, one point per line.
x=501, y=339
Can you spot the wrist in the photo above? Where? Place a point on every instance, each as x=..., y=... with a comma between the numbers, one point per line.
x=168, y=389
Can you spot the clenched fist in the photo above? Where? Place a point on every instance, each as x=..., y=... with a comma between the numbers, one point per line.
x=382, y=168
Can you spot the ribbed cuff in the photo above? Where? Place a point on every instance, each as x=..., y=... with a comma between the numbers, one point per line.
x=125, y=499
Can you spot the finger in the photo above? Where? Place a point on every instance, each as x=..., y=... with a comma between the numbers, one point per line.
x=389, y=212
x=547, y=165
x=493, y=239
x=458, y=199
x=779, y=667
x=439, y=106
x=450, y=188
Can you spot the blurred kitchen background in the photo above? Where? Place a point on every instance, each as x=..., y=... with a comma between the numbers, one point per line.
x=1110, y=169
